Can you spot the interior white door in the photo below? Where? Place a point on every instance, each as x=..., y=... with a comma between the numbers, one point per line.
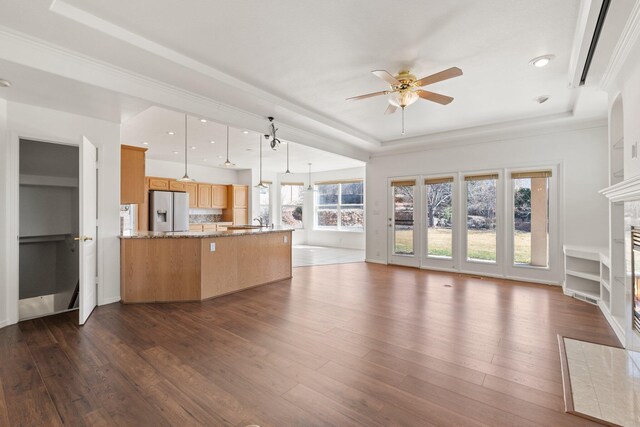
x=88, y=239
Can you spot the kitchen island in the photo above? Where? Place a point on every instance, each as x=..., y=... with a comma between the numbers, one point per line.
x=193, y=266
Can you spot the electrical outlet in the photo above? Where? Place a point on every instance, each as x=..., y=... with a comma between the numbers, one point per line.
x=286, y=238
x=634, y=150
x=212, y=247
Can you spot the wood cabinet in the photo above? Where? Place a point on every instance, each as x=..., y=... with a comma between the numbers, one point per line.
x=204, y=195
x=210, y=227
x=219, y=196
x=158, y=183
x=143, y=209
x=195, y=227
x=237, y=210
x=132, y=174
x=240, y=196
x=192, y=189
x=176, y=185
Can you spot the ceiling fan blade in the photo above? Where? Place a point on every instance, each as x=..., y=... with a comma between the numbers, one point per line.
x=386, y=76
x=369, y=95
x=390, y=109
x=435, y=97
x=438, y=77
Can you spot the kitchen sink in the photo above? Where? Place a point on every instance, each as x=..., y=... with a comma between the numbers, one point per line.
x=246, y=227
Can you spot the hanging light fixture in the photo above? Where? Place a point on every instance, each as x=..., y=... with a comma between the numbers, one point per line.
x=185, y=178
x=261, y=184
x=310, y=188
x=288, y=172
x=228, y=163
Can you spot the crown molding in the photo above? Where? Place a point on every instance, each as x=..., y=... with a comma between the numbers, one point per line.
x=100, y=25
x=625, y=191
x=35, y=53
x=628, y=38
x=507, y=131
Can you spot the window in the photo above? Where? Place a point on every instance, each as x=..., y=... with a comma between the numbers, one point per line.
x=439, y=209
x=531, y=218
x=291, y=201
x=403, y=216
x=481, y=217
x=265, y=203
x=340, y=206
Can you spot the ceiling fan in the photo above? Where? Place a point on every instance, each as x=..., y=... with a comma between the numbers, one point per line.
x=405, y=89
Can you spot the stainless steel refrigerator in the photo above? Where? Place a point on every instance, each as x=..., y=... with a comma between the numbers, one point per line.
x=168, y=211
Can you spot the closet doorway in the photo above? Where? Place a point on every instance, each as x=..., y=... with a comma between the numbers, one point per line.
x=49, y=223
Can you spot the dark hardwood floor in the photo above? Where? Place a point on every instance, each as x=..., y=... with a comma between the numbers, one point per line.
x=339, y=345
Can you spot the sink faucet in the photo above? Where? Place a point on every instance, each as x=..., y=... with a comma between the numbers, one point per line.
x=259, y=221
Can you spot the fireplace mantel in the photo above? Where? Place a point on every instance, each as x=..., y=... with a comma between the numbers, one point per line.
x=625, y=191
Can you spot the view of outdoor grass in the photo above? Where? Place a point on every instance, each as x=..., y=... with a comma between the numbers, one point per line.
x=483, y=247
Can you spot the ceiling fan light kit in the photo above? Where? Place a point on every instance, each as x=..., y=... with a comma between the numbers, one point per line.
x=405, y=89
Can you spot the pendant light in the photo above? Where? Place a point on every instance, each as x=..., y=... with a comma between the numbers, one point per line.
x=288, y=172
x=228, y=163
x=261, y=184
x=185, y=178
x=310, y=188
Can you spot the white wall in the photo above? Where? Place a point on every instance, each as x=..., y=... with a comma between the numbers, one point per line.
x=580, y=154
x=4, y=219
x=32, y=122
x=213, y=175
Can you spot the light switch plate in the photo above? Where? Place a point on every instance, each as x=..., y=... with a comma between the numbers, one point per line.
x=212, y=247
x=286, y=238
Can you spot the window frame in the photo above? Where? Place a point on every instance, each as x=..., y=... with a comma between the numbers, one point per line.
x=339, y=206
x=437, y=260
x=283, y=205
x=269, y=205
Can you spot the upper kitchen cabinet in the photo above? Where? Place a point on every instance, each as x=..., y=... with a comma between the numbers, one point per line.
x=161, y=184
x=192, y=189
x=237, y=205
x=132, y=174
x=219, y=196
x=204, y=195
x=176, y=185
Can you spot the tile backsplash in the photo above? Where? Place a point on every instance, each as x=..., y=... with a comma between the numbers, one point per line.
x=203, y=218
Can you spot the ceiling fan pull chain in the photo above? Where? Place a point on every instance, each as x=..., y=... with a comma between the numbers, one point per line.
x=403, y=120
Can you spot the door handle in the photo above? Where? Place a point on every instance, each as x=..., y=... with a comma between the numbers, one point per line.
x=83, y=238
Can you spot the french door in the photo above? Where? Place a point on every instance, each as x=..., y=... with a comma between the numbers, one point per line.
x=403, y=222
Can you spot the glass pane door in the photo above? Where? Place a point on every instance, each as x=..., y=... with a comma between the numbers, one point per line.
x=482, y=199
x=403, y=219
x=439, y=217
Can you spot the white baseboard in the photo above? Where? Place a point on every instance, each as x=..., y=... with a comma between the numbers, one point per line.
x=4, y=323
x=614, y=325
x=375, y=261
x=109, y=300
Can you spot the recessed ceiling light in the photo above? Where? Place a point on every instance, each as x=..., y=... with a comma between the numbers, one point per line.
x=171, y=132
x=245, y=132
x=175, y=152
x=542, y=99
x=193, y=148
x=145, y=143
x=219, y=157
x=5, y=83
x=212, y=142
x=204, y=160
x=541, y=61
x=203, y=120
x=248, y=149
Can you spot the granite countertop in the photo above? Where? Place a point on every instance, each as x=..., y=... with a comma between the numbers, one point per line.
x=202, y=234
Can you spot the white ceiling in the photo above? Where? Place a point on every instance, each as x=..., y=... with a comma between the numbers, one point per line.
x=317, y=54
x=238, y=62
x=152, y=125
